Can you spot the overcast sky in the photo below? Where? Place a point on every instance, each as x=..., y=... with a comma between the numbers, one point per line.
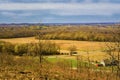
x=59, y=11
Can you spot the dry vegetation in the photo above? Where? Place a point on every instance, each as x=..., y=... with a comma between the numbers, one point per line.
x=95, y=48
x=81, y=45
x=38, y=58
x=29, y=68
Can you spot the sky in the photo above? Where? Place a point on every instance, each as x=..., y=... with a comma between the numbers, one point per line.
x=59, y=11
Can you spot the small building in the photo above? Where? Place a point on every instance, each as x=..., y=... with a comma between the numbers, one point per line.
x=108, y=62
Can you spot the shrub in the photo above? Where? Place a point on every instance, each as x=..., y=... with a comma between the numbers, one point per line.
x=20, y=49
x=6, y=47
x=6, y=59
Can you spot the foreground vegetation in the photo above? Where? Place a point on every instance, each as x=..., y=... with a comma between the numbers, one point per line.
x=29, y=68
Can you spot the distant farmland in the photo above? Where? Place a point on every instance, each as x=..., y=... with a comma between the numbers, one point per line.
x=95, y=48
x=81, y=45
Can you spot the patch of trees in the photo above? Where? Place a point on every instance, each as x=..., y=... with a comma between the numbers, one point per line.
x=33, y=49
x=85, y=33
x=17, y=32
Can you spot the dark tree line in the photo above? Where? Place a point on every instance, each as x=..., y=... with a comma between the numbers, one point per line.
x=80, y=33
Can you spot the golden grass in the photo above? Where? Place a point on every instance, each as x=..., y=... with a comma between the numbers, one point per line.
x=64, y=44
x=20, y=40
x=95, y=48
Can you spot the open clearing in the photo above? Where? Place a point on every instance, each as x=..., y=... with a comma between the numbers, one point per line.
x=64, y=44
x=95, y=48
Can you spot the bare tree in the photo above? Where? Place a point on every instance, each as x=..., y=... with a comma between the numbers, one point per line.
x=113, y=50
x=72, y=49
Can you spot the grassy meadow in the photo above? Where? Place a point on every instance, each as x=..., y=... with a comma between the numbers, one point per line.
x=94, y=48
x=64, y=44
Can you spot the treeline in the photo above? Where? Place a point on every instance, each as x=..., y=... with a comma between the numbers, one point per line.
x=33, y=49
x=16, y=32
x=80, y=33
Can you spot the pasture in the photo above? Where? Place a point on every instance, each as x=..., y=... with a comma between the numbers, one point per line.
x=64, y=44
x=95, y=49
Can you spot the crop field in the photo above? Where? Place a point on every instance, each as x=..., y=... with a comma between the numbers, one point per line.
x=64, y=44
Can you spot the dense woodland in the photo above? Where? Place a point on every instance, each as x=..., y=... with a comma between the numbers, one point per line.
x=80, y=33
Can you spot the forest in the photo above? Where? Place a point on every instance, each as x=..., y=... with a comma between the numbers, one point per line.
x=79, y=33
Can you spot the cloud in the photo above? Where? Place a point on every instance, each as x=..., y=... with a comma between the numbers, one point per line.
x=73, y=1
x=44, y=1
x=82, y=12
x=63, y=8
x=42, y=6
x=4, y=1
x=60, y=1
x=16, y=15
x=12, y=14
x=104, y=1
x=88, y=1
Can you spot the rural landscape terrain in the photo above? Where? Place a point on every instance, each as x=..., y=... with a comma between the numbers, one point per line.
x=59, y=39
x=60, y=52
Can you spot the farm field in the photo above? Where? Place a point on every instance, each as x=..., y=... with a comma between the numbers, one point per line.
x=64, y=44
x=94, y=48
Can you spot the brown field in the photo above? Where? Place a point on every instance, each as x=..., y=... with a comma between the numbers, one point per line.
x=94, y=48
x=64, y=44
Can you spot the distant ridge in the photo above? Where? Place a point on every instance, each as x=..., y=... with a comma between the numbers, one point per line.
x=55, y=24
